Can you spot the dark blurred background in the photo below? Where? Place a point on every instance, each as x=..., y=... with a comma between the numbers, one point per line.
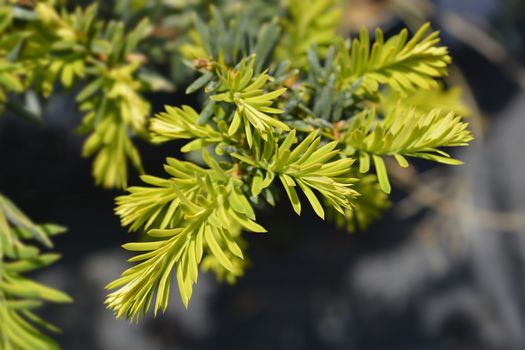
x=444, y=268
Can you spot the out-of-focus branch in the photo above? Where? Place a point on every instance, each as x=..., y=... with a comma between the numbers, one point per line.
x=446, y=204
x=417, y=11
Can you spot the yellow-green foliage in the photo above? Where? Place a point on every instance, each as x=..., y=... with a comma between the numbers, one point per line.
x=253, y=106
x=305, y=128
x=195, y=213
x=309, y=22
x=425, y=100
x=308, y=166
x=19, y=296
x=404, y=132
x=367, y=207
x=289, y=110
x=119, y=111
x=181, y=123
x=51, y=45
x=10, y=72
x=403, y=65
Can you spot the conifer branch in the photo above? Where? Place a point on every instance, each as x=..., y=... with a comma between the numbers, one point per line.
x=253, y=105
x=301, y=123
x=403, y=65
x=198, y=212
x=287, y=107
x=182, y=123
x=367, y=207
x=52, y=45
x=308, y=23
x=308, y=166
x=426, y=100
x=404, y=133
x=20, y=296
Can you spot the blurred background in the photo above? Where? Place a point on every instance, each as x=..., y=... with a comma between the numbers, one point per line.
x=443, y=269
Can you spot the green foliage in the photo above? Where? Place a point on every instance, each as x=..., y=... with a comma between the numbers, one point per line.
x=402, y=65
x=269, y=126
x=182, y=123
x=288, y=107
x=308, y=166
x=10, y=80
x=238, y=264
x=20, y=296
x=404, y=132
x=424, y=101
x=49, y=45
x=111, y=117
x=309, y=22
x=367, y=207
x=229, y=37
x=253, y=105
x=174, y=32
x=195, y=213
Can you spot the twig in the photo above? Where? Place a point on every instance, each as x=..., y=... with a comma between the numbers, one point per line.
x=448, y=206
